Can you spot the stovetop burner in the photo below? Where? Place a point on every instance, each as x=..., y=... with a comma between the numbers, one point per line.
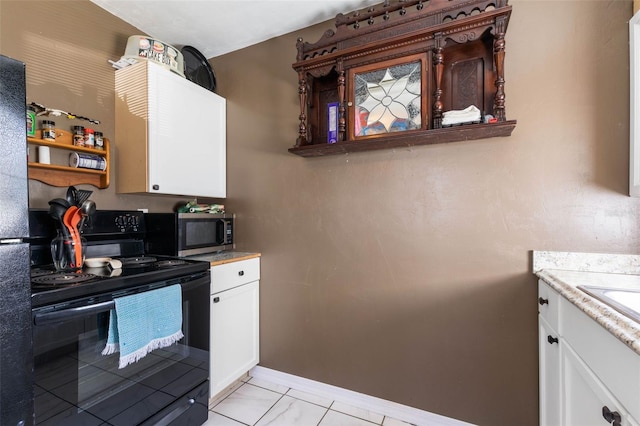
x=60, y=279
x=137, y=261
x=170, y=262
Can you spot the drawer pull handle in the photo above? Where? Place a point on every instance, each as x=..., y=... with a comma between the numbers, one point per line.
x=543, y=301
x=241, y=273
x=216, y=299
x=552, y=340
x=612, y=417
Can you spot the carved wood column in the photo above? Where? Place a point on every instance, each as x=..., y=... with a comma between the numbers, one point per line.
x=498, y=56
x=302, y=92
x=438, y=66
x=342, y=119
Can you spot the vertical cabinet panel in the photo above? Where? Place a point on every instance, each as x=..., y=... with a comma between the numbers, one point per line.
x=634, y=107
x=550, y=409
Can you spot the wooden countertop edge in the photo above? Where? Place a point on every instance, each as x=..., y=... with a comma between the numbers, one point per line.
x=235, y=259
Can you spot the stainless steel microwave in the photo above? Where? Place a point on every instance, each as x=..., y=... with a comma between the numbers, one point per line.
x=188, y=234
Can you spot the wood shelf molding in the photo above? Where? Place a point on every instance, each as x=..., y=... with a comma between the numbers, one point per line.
x=444, y=135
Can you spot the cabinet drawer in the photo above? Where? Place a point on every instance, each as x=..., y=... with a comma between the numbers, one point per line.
x=230, y=275
x=549, y=305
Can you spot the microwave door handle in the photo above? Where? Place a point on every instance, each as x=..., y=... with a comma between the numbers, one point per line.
x=225, y=233
x=72, y=313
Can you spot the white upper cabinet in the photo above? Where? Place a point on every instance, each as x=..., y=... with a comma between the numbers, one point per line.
x=170, y=134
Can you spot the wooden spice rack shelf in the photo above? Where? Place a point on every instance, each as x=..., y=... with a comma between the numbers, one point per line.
x=59, y=175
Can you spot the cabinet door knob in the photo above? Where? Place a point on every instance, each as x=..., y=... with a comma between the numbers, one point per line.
x=612, y=417
x=241, y=273
x=543, y=301
x=552, y=340
x=216, y=299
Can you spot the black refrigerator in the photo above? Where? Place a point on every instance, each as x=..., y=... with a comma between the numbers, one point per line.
x=16, y=353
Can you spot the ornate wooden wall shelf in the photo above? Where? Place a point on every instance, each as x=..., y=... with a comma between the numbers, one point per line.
x=391, y=71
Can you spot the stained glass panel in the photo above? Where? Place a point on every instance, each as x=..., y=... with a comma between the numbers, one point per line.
x=388, y=100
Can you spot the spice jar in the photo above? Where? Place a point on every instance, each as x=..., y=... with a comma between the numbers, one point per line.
x=89, y=139
x=78, y=135
x=31, y=121
x=48, y=130
x=99, y=139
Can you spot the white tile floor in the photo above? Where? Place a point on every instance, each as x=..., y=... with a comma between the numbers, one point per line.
x=255, y=402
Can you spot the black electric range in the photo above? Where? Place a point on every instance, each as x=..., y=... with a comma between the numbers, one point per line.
x=76, y=381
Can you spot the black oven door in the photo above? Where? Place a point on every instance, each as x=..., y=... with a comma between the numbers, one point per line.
x=76, y=385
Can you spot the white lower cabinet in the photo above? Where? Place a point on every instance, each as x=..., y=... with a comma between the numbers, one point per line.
x=586, y=400
x=587, y=376
x=235, y=309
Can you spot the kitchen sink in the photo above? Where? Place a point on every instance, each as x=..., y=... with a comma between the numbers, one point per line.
x=625, y=301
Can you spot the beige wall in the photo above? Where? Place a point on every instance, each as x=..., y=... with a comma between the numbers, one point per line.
x=405, y=273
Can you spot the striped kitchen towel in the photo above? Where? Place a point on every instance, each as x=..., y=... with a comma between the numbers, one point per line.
x=143, y=322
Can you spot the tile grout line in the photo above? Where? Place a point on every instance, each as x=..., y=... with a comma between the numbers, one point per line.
x=360, y=418
x=324, y=415
x=270, y=408
x=309, y=402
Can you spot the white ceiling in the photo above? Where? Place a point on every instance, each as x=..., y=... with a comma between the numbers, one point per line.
x=216, y=27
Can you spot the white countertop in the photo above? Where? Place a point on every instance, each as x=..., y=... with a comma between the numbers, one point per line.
x=565, y=271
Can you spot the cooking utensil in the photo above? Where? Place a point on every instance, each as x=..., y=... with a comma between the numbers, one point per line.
x=72, y=196
x=82, y=195
x=87, y=208
x=76, y=216
x=57, y=209
x=60, y=201
x=75, y=251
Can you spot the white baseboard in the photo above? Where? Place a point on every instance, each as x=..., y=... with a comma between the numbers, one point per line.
x=356, y=399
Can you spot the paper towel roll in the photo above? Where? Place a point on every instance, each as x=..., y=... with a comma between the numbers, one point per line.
x=44, y=155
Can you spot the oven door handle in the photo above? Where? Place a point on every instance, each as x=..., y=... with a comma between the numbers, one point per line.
x=72, y=313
